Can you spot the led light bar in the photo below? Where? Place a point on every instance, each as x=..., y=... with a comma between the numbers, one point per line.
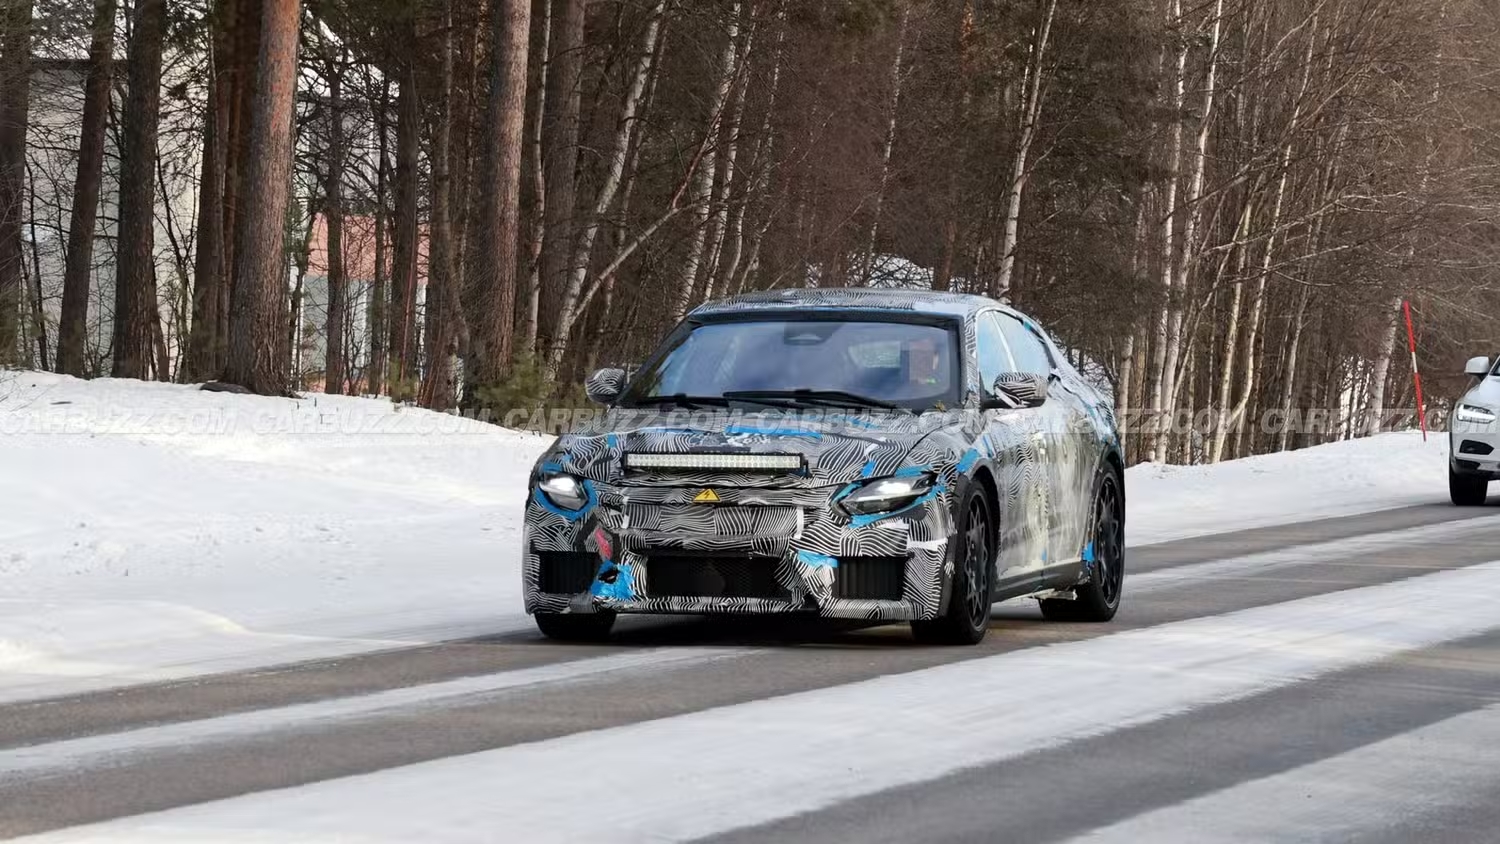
x=724, y=462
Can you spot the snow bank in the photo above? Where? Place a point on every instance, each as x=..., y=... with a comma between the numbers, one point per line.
x=153, y=530
x=150, y=531
x=1338, y=479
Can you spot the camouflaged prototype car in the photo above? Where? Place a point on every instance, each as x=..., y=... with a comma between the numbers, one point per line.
x=858, y=454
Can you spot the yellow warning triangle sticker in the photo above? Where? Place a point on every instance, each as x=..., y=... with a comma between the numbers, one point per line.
x=707, y=496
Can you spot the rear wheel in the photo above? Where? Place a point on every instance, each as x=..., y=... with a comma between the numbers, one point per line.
x=967, y=616
x=1099, y=599
x=1467, y=490
x=576, y=627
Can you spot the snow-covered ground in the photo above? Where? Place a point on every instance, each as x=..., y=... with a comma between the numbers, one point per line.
x=153, y=530
x=150, y=531
x=1339, y=479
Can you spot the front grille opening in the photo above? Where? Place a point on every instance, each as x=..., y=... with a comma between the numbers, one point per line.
x=1474, y=447
x=713, y=576
x=870, y=578
x=567, y=572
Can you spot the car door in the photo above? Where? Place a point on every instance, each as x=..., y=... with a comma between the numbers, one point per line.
x=1015, y=438
x=1057, y=421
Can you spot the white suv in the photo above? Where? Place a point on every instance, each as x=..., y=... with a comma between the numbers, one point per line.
x=1474, y=436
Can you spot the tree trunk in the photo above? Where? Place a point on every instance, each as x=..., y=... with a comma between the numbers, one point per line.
x=532, y=312
x=379, y=299
x=1289, y=378
x=560, y=129
x=707, y=168
x=893, y=113
x=1123, y=383
x=627, y=190
x=1225, y=394
x=942, y=278
x=1134, y=446
x=1031, y=106
x=15, y=101
x=242, y=42
x=1161, y=386
x=437, y=382
x=291, y=358
x=1315, y=241
x=135, y=282
x=38, y=317
x=762, y=164
x=260, y=260
x=496, y=240
x=78, y=269
x=1258, y=301
x=1258, y=306
x=334, y=367
x=625, y=129
x=729, y=167
x=403, y=327
x=206, y=343
x=1192, y=205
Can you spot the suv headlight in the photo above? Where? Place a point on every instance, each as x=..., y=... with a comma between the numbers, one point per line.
x=1476, y=414
x=564, y=491
x=886, y=494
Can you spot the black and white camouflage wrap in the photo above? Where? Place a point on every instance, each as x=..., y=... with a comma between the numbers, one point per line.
x=1040, y=463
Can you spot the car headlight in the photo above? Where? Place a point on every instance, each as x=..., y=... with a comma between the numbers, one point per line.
x=565, y=491
x=1476, y=414
x=886, y=494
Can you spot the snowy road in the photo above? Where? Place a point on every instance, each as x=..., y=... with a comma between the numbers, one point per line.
x=1329, y=680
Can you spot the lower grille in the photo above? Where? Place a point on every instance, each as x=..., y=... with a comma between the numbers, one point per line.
x=567, y=572
x=684, y=576
x=871, y=578
x=717, y=520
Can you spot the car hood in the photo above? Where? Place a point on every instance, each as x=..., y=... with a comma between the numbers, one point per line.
x=836, y=447
x=1485, y=393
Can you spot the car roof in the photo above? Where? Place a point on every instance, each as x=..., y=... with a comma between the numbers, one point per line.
x=847, y=298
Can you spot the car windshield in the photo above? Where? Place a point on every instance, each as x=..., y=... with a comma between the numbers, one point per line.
x=850, y=362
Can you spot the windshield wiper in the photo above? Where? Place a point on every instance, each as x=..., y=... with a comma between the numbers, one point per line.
x=833, y=398
x=681, y=400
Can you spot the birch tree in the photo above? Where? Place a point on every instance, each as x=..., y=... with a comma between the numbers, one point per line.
x=1031, y=108
x=703, y=184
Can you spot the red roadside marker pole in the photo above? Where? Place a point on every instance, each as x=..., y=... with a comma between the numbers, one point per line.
x=1416, y=374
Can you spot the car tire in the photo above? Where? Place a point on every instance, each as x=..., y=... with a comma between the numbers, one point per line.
x=576, y=627
x=967, y=617
x=1099, y=599
x=1467, y=490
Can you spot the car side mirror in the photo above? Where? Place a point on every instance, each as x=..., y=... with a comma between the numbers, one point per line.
x=605, y=385
x=1477, y=367
x=1017, y=390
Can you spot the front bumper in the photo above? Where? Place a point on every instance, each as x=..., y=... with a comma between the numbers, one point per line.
x=656, y=550
x=1475, y=449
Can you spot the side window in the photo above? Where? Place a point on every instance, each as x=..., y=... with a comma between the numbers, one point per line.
x=994, y=357
x=1030, y=355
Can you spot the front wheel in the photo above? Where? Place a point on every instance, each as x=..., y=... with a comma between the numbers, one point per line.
x=1099, y=599
x=1467, y=490
x=575, y=627
x=967, y=617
